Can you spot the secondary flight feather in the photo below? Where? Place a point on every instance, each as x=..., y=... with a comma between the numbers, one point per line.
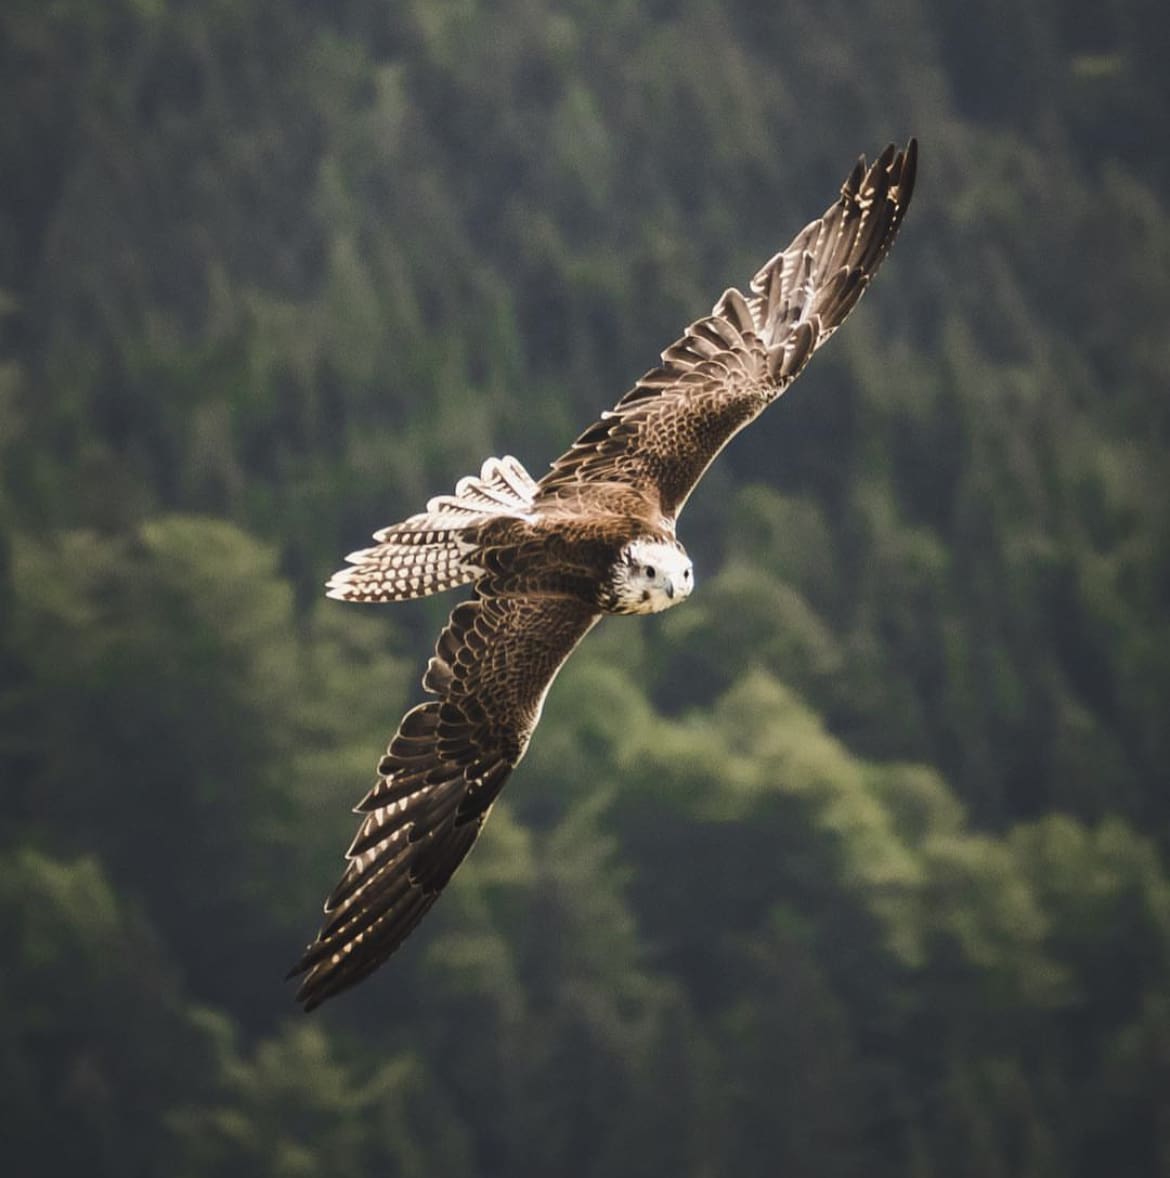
x=548, y=559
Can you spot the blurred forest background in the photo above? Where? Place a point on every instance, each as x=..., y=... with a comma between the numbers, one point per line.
x=859, y=864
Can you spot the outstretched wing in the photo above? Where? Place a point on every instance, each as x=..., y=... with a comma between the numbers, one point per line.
x=493, y=665
x=730, y=366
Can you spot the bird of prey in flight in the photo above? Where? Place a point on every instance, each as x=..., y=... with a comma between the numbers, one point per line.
x=548, y=558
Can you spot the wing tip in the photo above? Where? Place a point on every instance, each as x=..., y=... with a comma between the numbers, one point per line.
x=908, y=172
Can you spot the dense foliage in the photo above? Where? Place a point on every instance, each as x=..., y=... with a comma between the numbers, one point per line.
x=857, y=864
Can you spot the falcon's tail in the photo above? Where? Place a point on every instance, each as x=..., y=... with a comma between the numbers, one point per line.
x=429, y=552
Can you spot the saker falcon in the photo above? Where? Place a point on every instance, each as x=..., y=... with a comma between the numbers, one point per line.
x=547, y=559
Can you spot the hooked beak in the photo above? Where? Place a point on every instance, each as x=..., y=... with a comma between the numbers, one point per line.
x=670, y=588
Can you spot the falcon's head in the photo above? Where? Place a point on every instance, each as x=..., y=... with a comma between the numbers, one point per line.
x=649, y=576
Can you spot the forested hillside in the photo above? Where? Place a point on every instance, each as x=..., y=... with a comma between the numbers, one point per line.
x=858, y=863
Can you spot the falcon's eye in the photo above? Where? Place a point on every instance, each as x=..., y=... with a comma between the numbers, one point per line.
x=650, y=571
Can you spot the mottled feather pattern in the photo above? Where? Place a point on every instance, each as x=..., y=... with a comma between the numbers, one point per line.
x=548, y=559
x=728, y=367
x=493, y=665
x=819, y=278
x=430, y=552
x=401, y=571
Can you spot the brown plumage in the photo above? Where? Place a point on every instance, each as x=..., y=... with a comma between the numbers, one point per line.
x=596, y=535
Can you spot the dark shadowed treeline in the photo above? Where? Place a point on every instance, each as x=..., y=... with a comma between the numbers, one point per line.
x=857, y=864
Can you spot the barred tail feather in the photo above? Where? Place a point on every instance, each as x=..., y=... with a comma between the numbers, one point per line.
x=399, y=571
x=504, y=487
x=431, y=551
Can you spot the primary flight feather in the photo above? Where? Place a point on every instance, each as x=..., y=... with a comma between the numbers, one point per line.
x=548, y=559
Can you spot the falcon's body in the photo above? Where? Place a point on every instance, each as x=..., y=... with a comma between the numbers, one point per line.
x=560, y=553
x=547, y=559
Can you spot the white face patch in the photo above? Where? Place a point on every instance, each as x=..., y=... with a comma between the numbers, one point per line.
x=652, y=575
